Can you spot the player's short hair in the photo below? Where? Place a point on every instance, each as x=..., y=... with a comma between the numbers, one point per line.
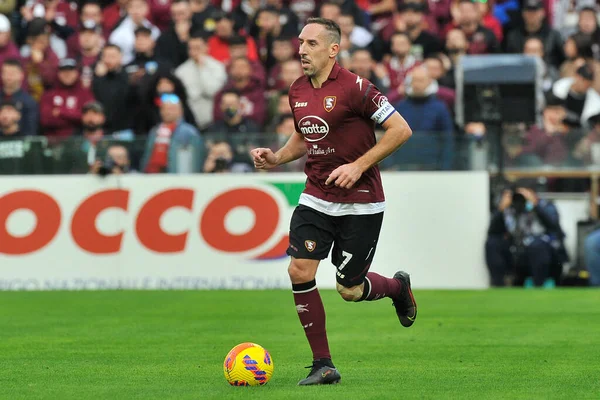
x=13, y=62
x=333, y=29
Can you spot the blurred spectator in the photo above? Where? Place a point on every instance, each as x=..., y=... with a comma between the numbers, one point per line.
x=358, y=35
x=244, y=15
x=113, y=14
x=80, y=154
x=437, y=69
x=124, y=34
x=253, y=104
x=154, y=86
x=381, y=14
x=581, y=101
x=283, y=51
x=268, y=28
x=345, y=6
x=90, y=19
x=399, y=65
x=203, y=77
x=580, y=55
x=10, y=118
x=592, y=257
x=173, y=146
x=8, y=49
x=550, y=144
x=535, y=47
x=40, y=62
x=234, y=120
x=524, y=239
x=290, y=71
x=61, y=106
x=88, y=51
x=218, y=44
x=481, y=39
x=488, y=20
x=433, y=133
x=423, y=42
x=160, y=14
x=219, y=158
x=587, y=26
x=111, y=88
x=238, y=48
x=202, y=15
x=279, y=104
x=289, y=20
x=330, y=10
x=145, y=60
x=173, y=42
x=534, y=24
x=587, y=150
x=456, y=47
x=116, y=162
x=12, y=90
x=362, y=64
x=285, y=128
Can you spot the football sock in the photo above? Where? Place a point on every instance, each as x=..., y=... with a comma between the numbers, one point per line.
x=377, y=287
x=312, y=317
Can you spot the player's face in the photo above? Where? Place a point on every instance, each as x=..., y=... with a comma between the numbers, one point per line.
x=315, y=49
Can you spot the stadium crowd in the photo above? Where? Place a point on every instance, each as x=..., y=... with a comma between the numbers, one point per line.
x=198, y=81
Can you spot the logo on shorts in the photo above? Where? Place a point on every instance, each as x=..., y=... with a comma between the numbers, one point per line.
x=329, y=102
x=310, y=245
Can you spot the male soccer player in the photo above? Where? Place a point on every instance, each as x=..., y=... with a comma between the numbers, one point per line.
x=335, y=112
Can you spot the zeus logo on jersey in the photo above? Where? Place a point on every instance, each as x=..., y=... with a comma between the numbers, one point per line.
x=300, y=104
x=313, y=128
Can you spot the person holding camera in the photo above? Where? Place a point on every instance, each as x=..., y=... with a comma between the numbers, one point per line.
x=524, y=240
x=116, y=162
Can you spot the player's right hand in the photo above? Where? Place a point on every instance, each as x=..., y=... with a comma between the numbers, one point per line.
x=263, y=158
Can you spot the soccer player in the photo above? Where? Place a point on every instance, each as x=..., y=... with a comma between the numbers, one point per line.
x=335, y=112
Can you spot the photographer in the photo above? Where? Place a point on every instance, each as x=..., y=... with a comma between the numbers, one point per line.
x=116, y=162
x=524, y=239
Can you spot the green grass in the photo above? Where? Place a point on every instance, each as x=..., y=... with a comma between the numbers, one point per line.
x=497, y=344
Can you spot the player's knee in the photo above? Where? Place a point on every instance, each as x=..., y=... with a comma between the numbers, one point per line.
x=353, y=293
x=301, y=271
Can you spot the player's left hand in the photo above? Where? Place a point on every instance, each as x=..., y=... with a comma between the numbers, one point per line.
x=345, y=176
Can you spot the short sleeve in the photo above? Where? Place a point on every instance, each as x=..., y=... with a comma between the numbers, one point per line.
x=369, y=102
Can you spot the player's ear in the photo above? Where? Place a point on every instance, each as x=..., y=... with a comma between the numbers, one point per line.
x=334, y=49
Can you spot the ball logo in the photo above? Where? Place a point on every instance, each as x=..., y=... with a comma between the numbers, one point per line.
x=313, y=128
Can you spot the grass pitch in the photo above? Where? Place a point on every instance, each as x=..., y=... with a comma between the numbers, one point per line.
x=497, y=344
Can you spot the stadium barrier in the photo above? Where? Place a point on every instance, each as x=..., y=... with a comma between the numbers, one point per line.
x=222, y=231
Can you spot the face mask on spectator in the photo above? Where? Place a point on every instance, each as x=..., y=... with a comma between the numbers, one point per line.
x=230, y=112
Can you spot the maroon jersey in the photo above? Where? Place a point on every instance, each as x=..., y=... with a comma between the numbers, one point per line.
x=338, y=125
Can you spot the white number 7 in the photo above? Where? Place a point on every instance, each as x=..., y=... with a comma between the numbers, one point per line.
x=347, y=258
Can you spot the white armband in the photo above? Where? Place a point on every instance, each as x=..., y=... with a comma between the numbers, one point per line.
x=383, y=113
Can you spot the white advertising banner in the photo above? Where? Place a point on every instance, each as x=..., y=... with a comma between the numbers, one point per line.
x=222, y=231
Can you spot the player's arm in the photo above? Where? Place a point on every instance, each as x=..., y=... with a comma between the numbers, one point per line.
x=294, y=148
x=397, y=132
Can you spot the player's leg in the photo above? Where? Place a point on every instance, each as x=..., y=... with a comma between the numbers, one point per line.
x=353, y=251
x=311, y=236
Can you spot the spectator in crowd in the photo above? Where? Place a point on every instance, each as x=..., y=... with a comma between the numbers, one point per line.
x=61, y=106
x=218, y=44
x=268, y=28
x=8, y=49
x=202, y=15
x=423, y=42
x=583, y=55
x=592, y=257
x=80, y=154
x=581, y=101
x=124, y=34
x=253, y=104
x=173, y=146
x=173, y=43
x=219, y=159
x=359, y=36
x=330, y=10
x=289, y=20
x=534, y=24
x=111, y=88
x=244, y=15
x=488, y=20
x=283, y=51
x=381, y=13
x=203, y=76
x=113, y=14
x=285, y=128
x=587, y=26
x=91, y=16
x=234, y=120
x=583, y=149
x=481, y=39
x=524, y=240
x=145, y=60
x=290, y=71
x=148, y=112
x=12, y=91
x=88, y=51
x=116, y=162
x=456, y=46
x=10, y=118
x=279, y=104
x=160, y=13
x=363, y=65
x=552, y=143
x=433, y=133
x=437, y=67
x=535, y=47
x=40, y=62
x=400, y=64
x=238, y=48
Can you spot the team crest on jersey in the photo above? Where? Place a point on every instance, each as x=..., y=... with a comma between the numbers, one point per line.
x=310, y=245
x=329, y=102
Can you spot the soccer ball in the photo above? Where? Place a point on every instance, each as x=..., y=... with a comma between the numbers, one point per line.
x=248, y=364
